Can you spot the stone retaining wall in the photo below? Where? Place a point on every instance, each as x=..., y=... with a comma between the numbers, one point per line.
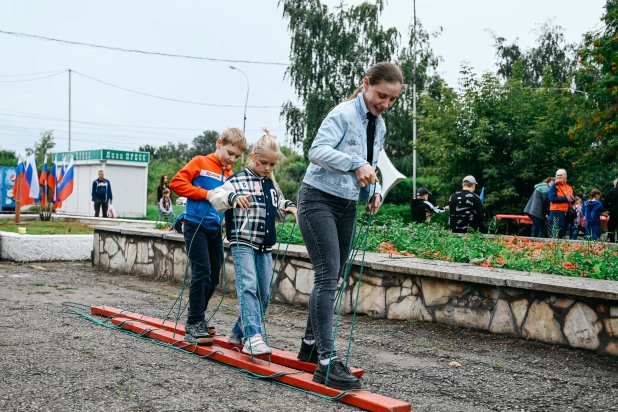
x=576, y=312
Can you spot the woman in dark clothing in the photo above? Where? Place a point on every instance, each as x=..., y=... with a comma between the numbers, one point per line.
x=163, y=184
x=538, y=207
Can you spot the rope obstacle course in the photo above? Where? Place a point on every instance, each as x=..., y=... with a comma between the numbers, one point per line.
x=281, y=366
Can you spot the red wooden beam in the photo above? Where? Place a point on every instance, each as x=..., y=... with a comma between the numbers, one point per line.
x=303, y=380
x=279, y=356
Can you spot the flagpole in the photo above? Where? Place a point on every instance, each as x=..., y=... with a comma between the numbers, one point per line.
x=16, y=196
x=69, y=110
x=414, y=109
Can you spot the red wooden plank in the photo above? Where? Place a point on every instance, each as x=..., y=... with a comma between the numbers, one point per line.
x=279, y=356
x=365, y=400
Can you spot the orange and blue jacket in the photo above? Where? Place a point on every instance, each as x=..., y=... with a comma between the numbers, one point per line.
x=557, y=195
x=201, y=174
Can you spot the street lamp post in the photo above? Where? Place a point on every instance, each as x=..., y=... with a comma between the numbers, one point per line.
x=414, y=109
x=244, y=123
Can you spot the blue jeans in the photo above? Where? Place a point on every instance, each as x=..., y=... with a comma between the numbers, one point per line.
x=253, y=274
x=559, y=218
x=593, y=230
x=539, y=228
x=326, y=223
x=205, y=251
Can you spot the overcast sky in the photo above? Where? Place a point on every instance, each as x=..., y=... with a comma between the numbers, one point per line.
x=232, y=29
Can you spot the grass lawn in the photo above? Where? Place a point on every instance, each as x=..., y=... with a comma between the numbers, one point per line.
x=38, y=227
x=152, y=213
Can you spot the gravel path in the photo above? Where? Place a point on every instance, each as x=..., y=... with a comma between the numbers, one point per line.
x=51, y=360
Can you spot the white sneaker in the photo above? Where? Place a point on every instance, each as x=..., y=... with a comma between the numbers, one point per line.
x=255, y=346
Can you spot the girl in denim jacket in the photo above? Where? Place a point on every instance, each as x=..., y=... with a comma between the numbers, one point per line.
x=343, y=158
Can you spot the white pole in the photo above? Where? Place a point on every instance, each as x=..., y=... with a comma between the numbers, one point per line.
x=414, y=108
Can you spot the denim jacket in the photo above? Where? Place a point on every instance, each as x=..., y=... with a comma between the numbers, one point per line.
x=340, y=147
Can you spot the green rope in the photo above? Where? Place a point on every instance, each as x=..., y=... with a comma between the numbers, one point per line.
x=193, y=352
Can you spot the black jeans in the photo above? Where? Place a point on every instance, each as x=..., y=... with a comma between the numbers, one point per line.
x=326, y=223
x=612, y=225
x=98, y=205
x=205, y=251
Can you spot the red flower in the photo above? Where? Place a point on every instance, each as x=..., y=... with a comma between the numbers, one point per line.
x=568, y=265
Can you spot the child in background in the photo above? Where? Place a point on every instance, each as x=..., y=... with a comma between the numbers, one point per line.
x=576, y=223
x=592, y=212
x=202, y=227
x=166, y=211
x=251, y=235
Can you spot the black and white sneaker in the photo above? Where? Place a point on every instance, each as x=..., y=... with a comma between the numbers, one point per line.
x=197, y=333
x=339, y=376
x=308, y=353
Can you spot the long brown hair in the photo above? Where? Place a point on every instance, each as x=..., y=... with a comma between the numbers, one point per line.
x=380, y=72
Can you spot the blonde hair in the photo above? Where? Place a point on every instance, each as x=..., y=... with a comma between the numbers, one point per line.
x=380, y=72
x=267, y=144
x=235, y=137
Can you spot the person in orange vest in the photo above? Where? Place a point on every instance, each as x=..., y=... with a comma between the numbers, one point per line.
x=561, y=197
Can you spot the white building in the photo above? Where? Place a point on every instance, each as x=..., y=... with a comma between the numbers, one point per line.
x=126, y=171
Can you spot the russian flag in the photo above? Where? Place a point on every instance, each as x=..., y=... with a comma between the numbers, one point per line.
x=52, y=181
x=32, y=175
x=24, y=184
x=65, y=188
x=57, y=201
x=20, y=176
x=43, y=182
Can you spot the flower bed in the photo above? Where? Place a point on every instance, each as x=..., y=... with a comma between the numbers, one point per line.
x=589, y=259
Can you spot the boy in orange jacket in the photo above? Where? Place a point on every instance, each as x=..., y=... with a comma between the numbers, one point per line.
x=202, y=229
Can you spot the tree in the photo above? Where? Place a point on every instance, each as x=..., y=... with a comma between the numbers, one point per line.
x=596, y=119
x=329, y=55
x=8, y=158
x=551, y=50
x=42, y=147
x=205, y=143
x=180, y=151
x=508, y=135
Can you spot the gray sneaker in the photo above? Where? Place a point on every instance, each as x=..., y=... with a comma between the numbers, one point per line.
x=197, y=333
x=235, y=340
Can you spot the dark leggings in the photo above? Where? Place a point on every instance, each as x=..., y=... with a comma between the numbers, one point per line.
x=326, y=223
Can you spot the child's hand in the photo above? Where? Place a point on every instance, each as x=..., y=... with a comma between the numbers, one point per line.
x=242, y=202
x=293, y=211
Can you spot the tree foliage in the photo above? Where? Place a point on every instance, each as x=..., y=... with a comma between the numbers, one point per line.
x=8, y=158
x=329, y=54
x=508, y=135
x=205, y=143
x=596, y=119
x=550, y=50
x=41, y=147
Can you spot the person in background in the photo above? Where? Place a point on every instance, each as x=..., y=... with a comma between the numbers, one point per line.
x=538, y=207
x=576, y=223
x=101, y=194
x=163, y=184
x=560, y=199
x=466, y=208
x=592, y=212
x=610, y=203
x=421, y=207
x=166, y=210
